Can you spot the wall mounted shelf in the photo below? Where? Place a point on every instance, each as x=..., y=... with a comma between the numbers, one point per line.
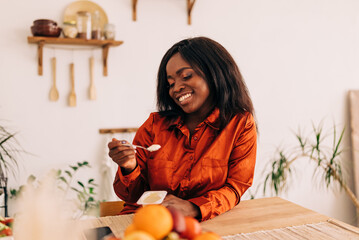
x=104, y=44
x=117, y=130
x=190, y=4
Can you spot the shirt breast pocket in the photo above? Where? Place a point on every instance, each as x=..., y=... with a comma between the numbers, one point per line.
x=160, y=171
x=214, y=172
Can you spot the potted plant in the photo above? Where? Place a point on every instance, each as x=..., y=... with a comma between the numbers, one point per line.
x=328, y=162
x=9, y=148
x=80, y=196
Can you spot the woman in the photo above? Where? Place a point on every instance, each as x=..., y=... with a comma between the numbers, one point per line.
x=206, y=130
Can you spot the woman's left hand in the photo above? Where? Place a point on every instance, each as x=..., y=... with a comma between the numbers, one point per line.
x=186, y=207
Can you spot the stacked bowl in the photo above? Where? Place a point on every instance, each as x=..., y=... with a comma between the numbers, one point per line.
x=45, y=28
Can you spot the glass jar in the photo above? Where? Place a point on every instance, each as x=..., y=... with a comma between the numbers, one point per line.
x=96, y=26
x=109, y=31
x=70, y=29
x=84, y=24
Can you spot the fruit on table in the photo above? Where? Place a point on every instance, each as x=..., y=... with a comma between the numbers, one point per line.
x=5, y=230
x=156, y=222
x=7, y=221
x=111, y=238
x=153, y=219
x=5, y=226
x=139, y=235
x=172, y=236
x=179, y=223
x=193, y=228
x=208, y=236
x=130, y=229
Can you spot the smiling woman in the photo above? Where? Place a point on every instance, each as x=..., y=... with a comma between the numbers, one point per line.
x=189, y=90
x=206, y=129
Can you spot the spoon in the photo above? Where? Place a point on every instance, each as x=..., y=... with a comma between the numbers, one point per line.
x=72, y=96
x=152, y=148
x=54, y=93
x=92, y=90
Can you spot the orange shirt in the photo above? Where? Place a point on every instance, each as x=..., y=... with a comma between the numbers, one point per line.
x=211, y=169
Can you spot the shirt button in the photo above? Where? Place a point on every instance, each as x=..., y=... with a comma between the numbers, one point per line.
x=191, y=157
x=195, y=138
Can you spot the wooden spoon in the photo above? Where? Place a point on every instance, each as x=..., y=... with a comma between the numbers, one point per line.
x=92, y=90
x=72, y=96
x=54, y=93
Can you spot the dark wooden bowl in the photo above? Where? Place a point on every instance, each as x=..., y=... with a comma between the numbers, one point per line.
x=46, y=30
x=44, y=22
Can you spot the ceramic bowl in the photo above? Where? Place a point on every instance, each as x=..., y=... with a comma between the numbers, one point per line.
x=46, y=30
x=44, y=22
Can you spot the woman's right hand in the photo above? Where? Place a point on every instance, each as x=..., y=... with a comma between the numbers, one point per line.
x=124, y=156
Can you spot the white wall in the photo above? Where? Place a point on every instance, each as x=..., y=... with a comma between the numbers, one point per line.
x=299, y=59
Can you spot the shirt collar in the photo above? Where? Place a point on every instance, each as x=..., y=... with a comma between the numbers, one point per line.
x=212, y=120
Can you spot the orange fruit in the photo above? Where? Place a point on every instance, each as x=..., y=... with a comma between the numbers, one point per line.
x=193, y=228
x=129, y=229
x=153, y=219
x=111, y=238
x=139, y=235
x=208, y=236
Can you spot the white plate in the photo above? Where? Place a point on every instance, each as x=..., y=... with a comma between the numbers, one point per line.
x=152, y=197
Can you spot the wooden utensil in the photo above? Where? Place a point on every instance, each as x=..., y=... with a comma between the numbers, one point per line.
x=72, y=96
x=54, y=93
x=92, y=90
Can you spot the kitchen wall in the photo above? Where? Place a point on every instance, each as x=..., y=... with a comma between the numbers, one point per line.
x=299, y=59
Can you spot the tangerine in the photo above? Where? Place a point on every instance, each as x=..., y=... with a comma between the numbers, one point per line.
x=139, y=235
x=153, y=219
x=208, y=236
x=129, y=229
x=193, y=228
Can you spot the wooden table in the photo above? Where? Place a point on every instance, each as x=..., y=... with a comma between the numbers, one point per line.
x=266, y=218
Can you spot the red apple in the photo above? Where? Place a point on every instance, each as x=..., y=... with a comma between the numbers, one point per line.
x=193, y=228
x=179, y=223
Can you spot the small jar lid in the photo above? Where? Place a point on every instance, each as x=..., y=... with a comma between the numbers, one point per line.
x=71, y=22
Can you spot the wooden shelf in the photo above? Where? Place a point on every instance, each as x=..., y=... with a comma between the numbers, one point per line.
x=190, y=4
x=117, y=130
x=104, y=44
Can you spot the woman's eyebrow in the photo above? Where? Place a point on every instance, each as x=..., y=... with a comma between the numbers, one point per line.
x=179, y=71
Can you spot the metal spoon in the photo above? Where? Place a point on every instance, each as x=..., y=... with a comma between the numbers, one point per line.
x=152, y=148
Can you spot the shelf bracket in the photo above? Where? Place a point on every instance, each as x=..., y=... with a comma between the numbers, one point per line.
x=134, y=10
x=190, y=4
x=105, y=49
x=40, y=47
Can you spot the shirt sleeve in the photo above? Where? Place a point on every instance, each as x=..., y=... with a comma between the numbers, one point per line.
x=240, y=174
x=131, y=186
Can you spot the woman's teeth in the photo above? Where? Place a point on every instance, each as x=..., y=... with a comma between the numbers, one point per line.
x=184, y=97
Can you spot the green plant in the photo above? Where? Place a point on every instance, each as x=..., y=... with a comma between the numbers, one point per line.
x=85, y=195
x=327, y=160
x=9, y=148
x=85, y=191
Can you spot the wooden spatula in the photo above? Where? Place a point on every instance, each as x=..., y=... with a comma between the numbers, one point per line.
x=72, y=96
x=92, y=90
x=54, y=93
